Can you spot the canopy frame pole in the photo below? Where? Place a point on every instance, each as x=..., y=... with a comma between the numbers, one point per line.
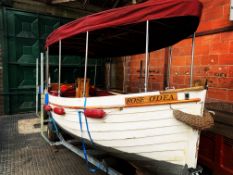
x=59, y=70
x=95, y=73
x=169, y=66
x=86, y=59
x=47, y=68
x=124, y=69
x=42, y=73
x=192, y=60
x=37, y=85
x=42, y=92
x=147, y=56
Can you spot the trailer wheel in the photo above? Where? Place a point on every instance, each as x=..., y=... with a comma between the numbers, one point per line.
x=46, y=116
x=50, y=132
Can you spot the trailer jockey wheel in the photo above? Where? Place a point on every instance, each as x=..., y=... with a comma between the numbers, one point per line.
x=52, y=136
x=197, y=171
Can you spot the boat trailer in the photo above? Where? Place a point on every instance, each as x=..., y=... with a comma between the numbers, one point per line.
x=101, y=165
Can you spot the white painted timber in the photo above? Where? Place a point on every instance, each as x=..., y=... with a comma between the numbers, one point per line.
x=149, y=131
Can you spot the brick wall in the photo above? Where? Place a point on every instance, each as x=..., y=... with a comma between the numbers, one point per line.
x=213, y=57
x=156, y=69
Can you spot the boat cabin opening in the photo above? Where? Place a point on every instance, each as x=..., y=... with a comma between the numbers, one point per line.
x=104, y=78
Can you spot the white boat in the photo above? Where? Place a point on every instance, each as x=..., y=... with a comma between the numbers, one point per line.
x=139, y=127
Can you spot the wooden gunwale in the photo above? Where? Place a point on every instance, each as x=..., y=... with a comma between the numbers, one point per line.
x=196, y=88
x=123, y=106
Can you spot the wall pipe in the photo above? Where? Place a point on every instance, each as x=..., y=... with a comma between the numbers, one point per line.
x=192, y=60
x=169, y=66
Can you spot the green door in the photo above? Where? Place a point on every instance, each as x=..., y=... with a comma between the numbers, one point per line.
x=24, y=36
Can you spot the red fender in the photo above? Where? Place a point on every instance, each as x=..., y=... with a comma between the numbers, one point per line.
x=47, y=108
x=59, y=110
x=94, y=113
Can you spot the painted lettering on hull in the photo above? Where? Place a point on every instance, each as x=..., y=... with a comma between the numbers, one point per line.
x=153, y=99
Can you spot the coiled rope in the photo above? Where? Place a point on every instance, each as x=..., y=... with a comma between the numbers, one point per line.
x=195, y=121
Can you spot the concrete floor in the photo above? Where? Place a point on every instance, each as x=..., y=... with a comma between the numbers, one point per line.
x=24, y=152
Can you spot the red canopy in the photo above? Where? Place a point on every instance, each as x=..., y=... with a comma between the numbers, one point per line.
x=121, y=31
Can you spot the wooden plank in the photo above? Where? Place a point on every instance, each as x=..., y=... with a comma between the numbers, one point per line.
x=224, y=118
x=223, y=129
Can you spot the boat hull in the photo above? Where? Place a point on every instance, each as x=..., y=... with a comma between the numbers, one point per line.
x=147, y=135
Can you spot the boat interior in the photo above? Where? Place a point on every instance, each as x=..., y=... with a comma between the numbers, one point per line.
x=76, y=89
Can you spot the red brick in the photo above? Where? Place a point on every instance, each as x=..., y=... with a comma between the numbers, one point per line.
x=220, y=94
x=179, y=79
x=133, y=89
x=231, y=47
x=219, y=48
x=184, y=70
x=133, y=78
x=218, y=71
x=184, y=51
x=227, y=36
x=225, y=83
x=201, y=70
x=220, y=2
x=135, y=62
x=187, y=81
x=207, y=39
x=197, y=60
x=230, y=74
x=209, y=25
x=183, y=43
x=157, y=62
x=177, y=86
x=156, y=86
x=174, y=70
x=212, y=81
x=134, y=70
x=226, y=59
x=157, y=78
x=226, y=10
x=176, y=51
x=179, y=60
x=157, y=54
x=209, y=60
x=213, y=13
x=230, y=95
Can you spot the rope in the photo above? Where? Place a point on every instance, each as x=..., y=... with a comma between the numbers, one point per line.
x=46, y=100
x=88, y=131
x=92, y=170
x=195, y=121
x=83, y=143
x=51, y=119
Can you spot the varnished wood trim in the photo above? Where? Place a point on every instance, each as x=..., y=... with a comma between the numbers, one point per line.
x=138, y=105
x=197, y=88
x=168, y=102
